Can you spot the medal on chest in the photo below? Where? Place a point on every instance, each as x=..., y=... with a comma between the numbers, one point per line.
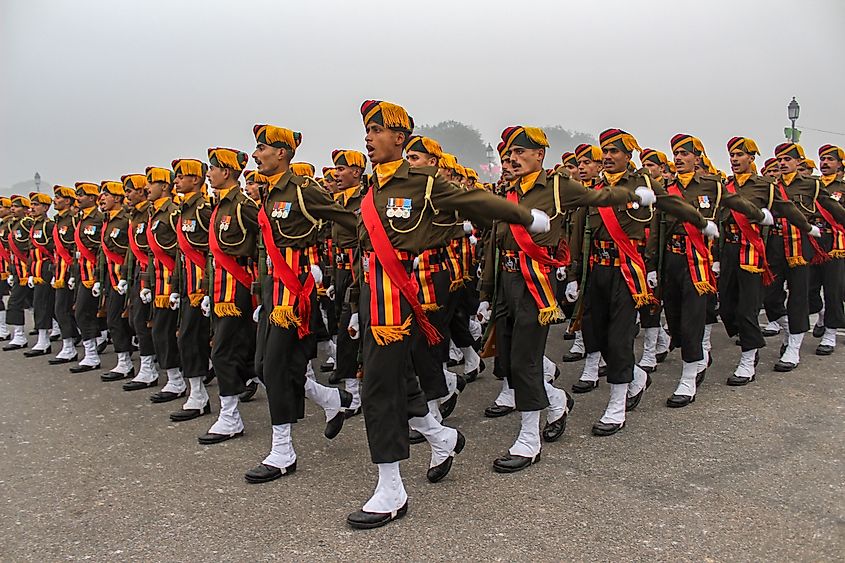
x=189, y=226
x=704, y=201
x=115, y=232
x=37, y=234
x=281, y=209
x=398, y=207
x=225, y=221
x=90, y=230
x=140, y=228
x=63, y=230
x=837, y=196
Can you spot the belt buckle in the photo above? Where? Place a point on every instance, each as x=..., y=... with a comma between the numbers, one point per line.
x=365, y=263
x=604, y=254
x=510, y=263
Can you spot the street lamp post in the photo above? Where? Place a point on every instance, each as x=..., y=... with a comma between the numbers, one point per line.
x=37, y=182
x=792, y=111
x=490, y=153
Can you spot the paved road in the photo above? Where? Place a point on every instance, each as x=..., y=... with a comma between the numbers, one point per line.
x=88, y=471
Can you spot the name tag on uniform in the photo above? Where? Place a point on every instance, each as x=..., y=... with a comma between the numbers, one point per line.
x=189, y=226
x=115, y=232
x=90, y=230
x=398, y=207
x=704, y=201
x=281, y=209
x=225, y=222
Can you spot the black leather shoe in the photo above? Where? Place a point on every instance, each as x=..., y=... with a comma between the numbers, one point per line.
x=557, y=373
x=209, y=376
x=818, y=331
x=263, y=473
x=735, y=381
x=784, y=367
x=632, y=402
x=450, y=363
x=606, y=428
x=33, y=353
x=349, y=413
x=101, y=347
x=166, y=396
x=334, y=426
x=495, y=411
x=512, y=463
x=326, y=367
x=582, y=386
x=602, y=371
x=472, y=375
x=677, y=401
x=115, y=375
x=210, y=438
x=824, y=350
x=438, y=472
x=782, y=349
x=661, y=357
x=568, y=335
x=554, y=430
x=5, y=338
x=55, y=337
x=10, y=347
x=59, y=361
x=33, y=332
x=648, y=369
x=447, y=407
x=768, y=333
x=362, y=520
x=573, y=356
x=250, y=391
x=190, y=414
x=138, y=385
x=415, y=437
x=334, y=378
x=699, y=377
x=82, y=369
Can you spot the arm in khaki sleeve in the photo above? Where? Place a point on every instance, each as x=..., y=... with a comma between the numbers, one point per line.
x=576, y=244
x=321, y=205
x=477, y=205
x=735, y=202
x=788, y=210
x=678, y=208
x=831, y=206
x=652, y=247
x=574, y=194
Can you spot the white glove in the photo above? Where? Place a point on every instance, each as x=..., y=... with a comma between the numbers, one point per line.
x=651, y=279
x=174, y=301
x=479, y=271
x=53, y=281
x=317, y=273
x=122, y=287
x=483, y=313
x=571, y=292
x=473, y=240
x=257, y=313
x=30, y=282
x=717, y=268
x=540, y=222
x=815, y=232
x=146, y=295
x=710, y=230
x=468, y=227
x=646, y=195
x=560, y=273
x=205, y=305
x=354, y=329
x=330, y=292
x=96, y=289
x=767, y=217
x=416, y=262
x=71, y=282
x=11, y=280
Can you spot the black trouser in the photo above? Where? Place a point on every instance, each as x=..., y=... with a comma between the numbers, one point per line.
x=165, y=325
x=609, y=322
x=233, y=348
x=521, y=341
x=139, y=318
x=685, y=309
x=828, y=278
x=261, y=327
x=797, y=280
x=194, y=346
x=458, y=308
x=428, y=360
x=346, y=360
x=85, y=311
x=117, y=320
x=63, y=311
x=740, y=296
x=391, y=393
x=44, y=300
x=20, y=299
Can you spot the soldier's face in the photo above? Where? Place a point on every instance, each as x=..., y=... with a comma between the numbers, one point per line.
x=667, y=174
x=526, y=161
x=419, y=159
x=60, y=203
x=588, y=169
x=804, y=169
x=156, y=190
x=615, y=160
x=19, y=210
x=186, y=184
x=347, y=176
x=787, y=164
x=572, y=169
x=685, y=161
x=38, y=209
x=829, y=164
x=135, y=196
x=86, y=200
x=383, y=144
x=108, y=202
x=4, y=212
x=741, y=162
x=654, y=170
x=269, y=160
x=507, y=171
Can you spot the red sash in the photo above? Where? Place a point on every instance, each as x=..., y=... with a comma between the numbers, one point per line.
x=385, y=253
x=698, y=255
x=61, y=249
x=535, y=266
x=4, y=254
x=792, y=241
x=112, y=256
x=224, y=260
x=141, y=256
x=84, y=251
x=751, y=234
x=282, y=272
x=19, y=254
x=46, y=255
x=189, y=250
x=838, y=232
x=631, y=262
x=158, y=252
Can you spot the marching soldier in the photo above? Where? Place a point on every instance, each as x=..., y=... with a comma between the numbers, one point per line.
x=41, y=272
x=191, y=265
x=162, y=281
x=5, y=262
x=87, y=239
x=115, y=246
x=64, y=229
x=136, y=272
x=20, y=297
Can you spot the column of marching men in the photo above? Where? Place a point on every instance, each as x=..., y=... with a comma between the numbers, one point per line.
x=394, y=278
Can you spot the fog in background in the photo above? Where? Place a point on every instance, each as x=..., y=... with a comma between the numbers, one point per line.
x=92, y=89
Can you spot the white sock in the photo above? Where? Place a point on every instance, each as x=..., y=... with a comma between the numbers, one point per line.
x=56, y=329
x=746, y=364
x=309, y=371
x=705, y=342
x=475, y=328
x=68, y=349
x=442, y=439
x=199, y=395
x=528, y=441
x=229, y=420
x=591, y=367
x=390, y=494
x=687, y=384
x=506, y=397
x=455, y=352
x=578, y=345
x=650, y=336
x=92, y=358
x=43, y=342
x=175, y=381
x=820, y=320
x=615, y=411
x=328, y=398
x=4, y=330
x=282, y=453
x=639, y=382
x=663, y=341
x=471, y=359
x=451, y=381
x=829, y=337
x=793, y=348
x=124, y=363
x=147, y=373
x=327, y=349
x=549, y=369
x=557, y=403
x=18, y=335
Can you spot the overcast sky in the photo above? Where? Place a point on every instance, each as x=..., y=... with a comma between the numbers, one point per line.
x=92, y=89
